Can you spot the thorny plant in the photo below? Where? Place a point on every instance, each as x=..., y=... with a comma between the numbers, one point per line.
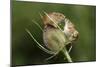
x=63, y=49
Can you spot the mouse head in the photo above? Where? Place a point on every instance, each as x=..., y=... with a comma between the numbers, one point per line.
x=70, y=30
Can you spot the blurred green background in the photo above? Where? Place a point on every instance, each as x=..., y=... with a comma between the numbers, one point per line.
x=24, y=49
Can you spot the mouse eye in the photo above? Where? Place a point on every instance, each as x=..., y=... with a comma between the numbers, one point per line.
x=60, y=15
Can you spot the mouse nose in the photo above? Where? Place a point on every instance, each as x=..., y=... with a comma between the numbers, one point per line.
x=75, y=35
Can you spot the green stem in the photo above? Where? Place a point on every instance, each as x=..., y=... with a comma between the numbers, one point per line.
x=67, y=55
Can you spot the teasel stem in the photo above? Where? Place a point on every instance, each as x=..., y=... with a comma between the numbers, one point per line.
x=39, y=45
x=67, y=56
x=70, y=49
x=59, y=51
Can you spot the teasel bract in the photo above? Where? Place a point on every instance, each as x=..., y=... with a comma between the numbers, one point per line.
x=55, y=39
